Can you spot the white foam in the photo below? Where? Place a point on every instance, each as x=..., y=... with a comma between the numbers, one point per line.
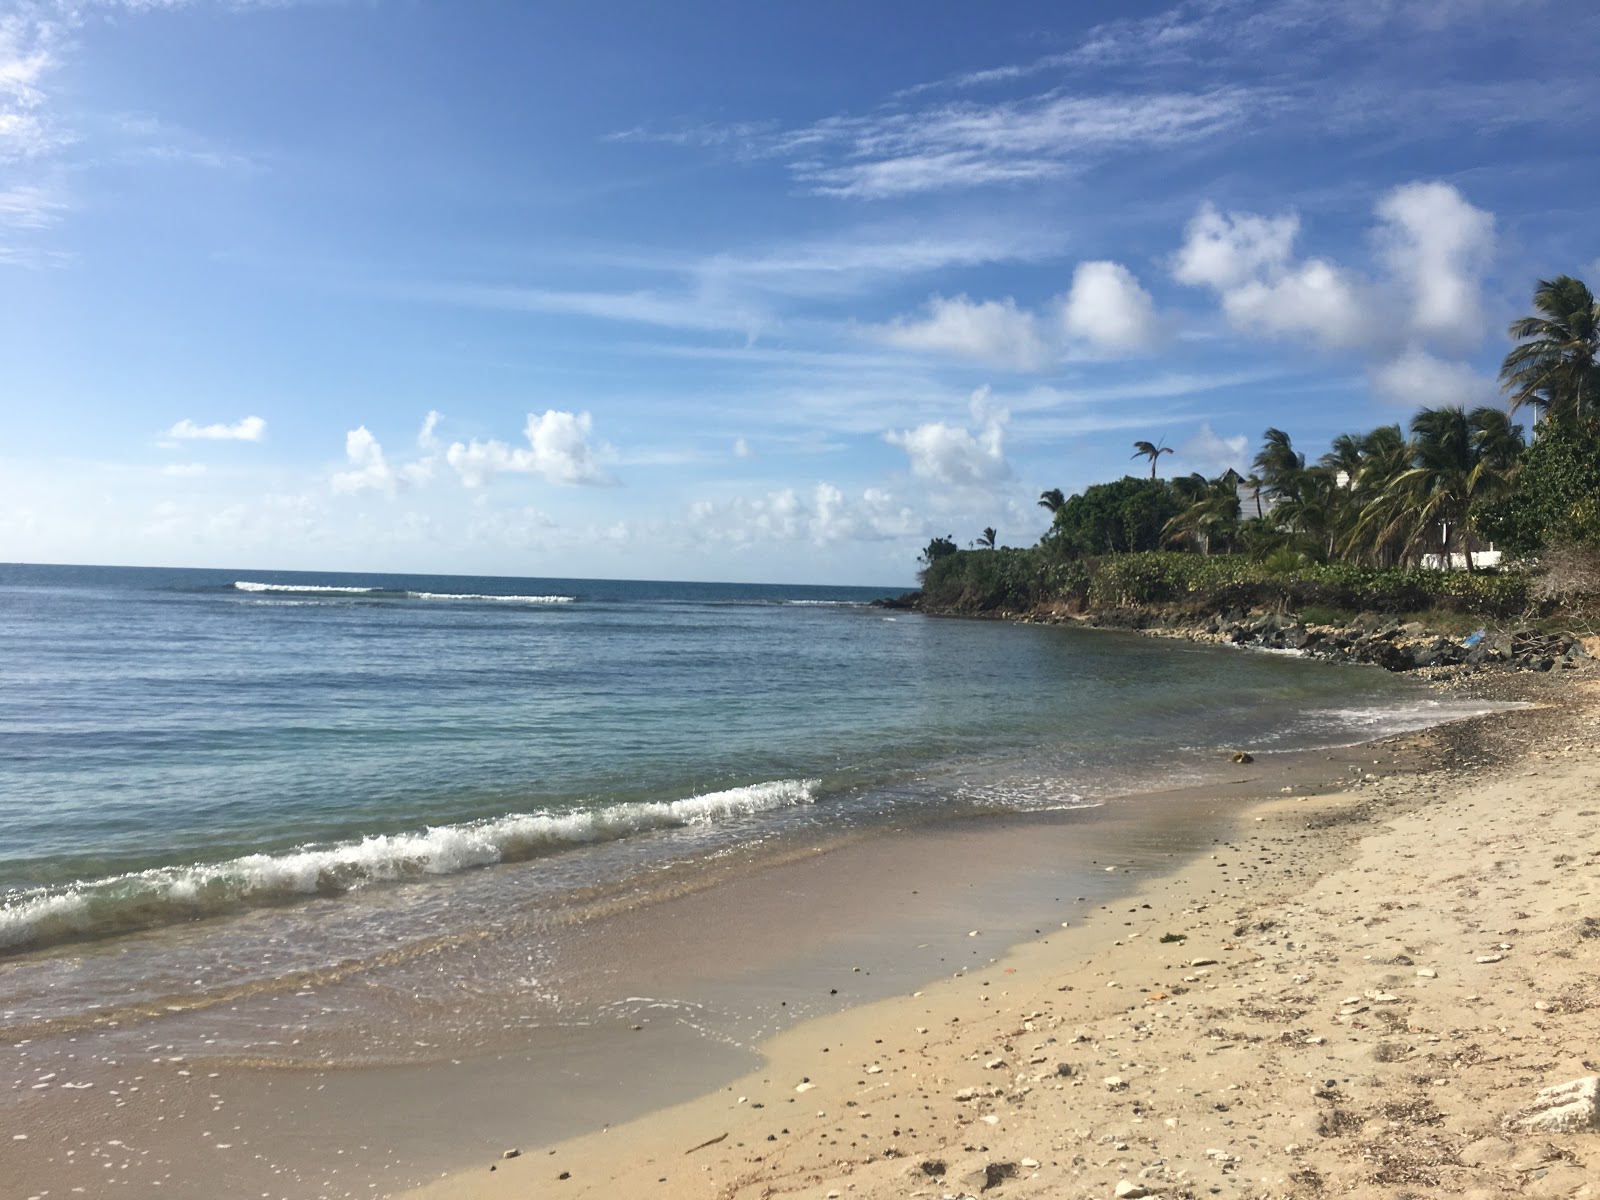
x=501, y=599
x=161, y=894
x=246, y=585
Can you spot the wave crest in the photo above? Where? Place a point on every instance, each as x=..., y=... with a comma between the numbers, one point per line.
x=328, y=589
x=164, y=895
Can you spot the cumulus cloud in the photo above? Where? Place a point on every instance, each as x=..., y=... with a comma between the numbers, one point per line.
x=369, y=469
x=996, y=332
x=249, y=429
x=1419, y=379
x=1105, y=311
x=955, y=455
x=558, y=451
x=1432, y=246
x=1211, y=454
x=1436, y=244
x=1248, y=260
x=1108, y=309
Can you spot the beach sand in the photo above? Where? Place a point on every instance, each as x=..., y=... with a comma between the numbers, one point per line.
x=1369, y=982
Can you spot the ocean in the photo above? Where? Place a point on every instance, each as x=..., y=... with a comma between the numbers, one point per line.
x=214, y=782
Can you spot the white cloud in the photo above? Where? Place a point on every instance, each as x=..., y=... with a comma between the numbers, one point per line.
x=1248, y=261
x=558, y=450
x=369, y=469
x=956, y=456
x=184, y=470
x=741, y=448
x=1105, y=311
x=904, y=151
x=1211, y=454
x=427, y=438
x=1431, y=248
x=1436, y=244
x=248, y=429
x=992, y=331
x=822, y=515
x=30, y=206
x=1107, y=308
x=1418, y=379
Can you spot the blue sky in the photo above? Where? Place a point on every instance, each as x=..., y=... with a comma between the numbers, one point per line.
x=732, y=290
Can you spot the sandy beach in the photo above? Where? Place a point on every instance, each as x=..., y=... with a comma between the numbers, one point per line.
x=1352, y=993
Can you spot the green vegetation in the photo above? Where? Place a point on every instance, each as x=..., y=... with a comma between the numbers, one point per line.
x=1363, y=528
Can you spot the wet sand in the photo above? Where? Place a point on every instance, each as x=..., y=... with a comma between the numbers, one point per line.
x=1352, y=993
x=661, y=1002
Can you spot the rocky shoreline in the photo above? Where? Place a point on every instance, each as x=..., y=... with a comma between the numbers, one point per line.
x=1370, y=638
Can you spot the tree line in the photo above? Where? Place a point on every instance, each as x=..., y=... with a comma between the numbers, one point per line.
x=1451, y=480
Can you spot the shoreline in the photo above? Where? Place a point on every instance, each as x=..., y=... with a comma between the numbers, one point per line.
x=963, y=1074
x=528, y=1088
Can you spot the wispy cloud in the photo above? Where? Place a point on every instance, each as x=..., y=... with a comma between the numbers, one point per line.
x=668, y=310
x=38, y=38
x=247, y=429
x=30, y=206
x=963, y=145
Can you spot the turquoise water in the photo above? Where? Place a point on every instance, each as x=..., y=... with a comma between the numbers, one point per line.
x=179, y=744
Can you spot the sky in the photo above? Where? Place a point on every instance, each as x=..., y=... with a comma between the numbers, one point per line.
x=732, y=291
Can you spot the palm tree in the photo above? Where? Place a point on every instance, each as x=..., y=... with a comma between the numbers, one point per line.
x=1377, y=528
x=986, y=538
x=1151, y=450
x=1255, y=484
x=1458, y=459
x=1310, y=505
x=1052, y=499
x=1213, y=509
x=1553, y=370
x=1278, y=463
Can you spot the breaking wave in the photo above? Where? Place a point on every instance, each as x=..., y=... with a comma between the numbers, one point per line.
x=319, y=589
x=246, y=585
x=165, y=895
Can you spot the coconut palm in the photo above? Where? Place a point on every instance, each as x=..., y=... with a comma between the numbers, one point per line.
x=1384, y=456
x=1310, y=505
x=1553, y=370
x=1151, y=450
x=1052, y=499
x=1458, y=459
x=986, y=538
x=1255, y=484
x=1278, y=463
x=1212, y=513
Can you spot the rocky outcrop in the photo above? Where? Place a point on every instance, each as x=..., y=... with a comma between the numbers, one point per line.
x=1398, y=646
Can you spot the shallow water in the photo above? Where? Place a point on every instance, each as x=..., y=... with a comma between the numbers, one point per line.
x=214, y=783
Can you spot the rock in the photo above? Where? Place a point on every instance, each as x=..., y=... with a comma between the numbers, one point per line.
x=1129, y=1190
x=1489, y=958
x=1427, y=973
x=1115, y=1083
x=980, y=1176
x=1566, y=1108
x=1202, y=962
x=1029, y=1163
x=513, y=1153
x=1243, y=756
